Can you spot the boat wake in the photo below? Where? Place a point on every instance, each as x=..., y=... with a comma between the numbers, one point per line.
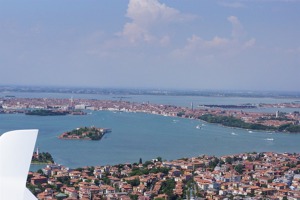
x=198, y=127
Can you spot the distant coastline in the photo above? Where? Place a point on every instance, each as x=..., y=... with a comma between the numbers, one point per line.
x=165, y=92
x=279, y=121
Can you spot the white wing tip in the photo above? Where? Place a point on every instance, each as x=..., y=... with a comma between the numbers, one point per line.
x=16, y=148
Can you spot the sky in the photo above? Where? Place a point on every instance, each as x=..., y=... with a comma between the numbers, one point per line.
x=161, y=44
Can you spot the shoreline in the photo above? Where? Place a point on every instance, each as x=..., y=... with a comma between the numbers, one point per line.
x=73, y=138
x=201, y=120
x=41, y=163
x=277, y=121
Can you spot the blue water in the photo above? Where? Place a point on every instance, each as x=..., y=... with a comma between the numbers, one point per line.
x=146, y=136
x=139, y=135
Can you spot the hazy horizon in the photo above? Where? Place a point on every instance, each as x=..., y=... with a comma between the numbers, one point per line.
x=145, y=90
x=235, y=45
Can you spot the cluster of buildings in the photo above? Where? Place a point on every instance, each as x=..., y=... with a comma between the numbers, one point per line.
x=243, y=176
x=16, y=105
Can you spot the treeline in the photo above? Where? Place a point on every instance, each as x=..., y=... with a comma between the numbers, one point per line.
x=243, y=106
x=234, y=122
x=289, y=128
x=238, y=123
x=43, y=112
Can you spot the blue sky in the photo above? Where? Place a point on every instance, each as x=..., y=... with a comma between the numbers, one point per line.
x=187, y=44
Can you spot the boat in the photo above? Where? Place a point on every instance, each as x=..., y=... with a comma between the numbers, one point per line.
x=198, y=127
x=270, y=139
x=250, y=131
x=233, y=133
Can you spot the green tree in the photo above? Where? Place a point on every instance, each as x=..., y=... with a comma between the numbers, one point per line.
x=213, y=163
x=106, y=180
x=147, y=163
x=180, y=114
x=134, y=182
x=97, y=182
x=249, y=158
x=64, y=180
x=168, y=186
x=239, y=168
x=79, y=169
x=133, y=197
x=228, y=160
x=40, y=171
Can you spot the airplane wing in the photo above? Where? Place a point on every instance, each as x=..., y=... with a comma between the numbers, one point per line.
x=16, y=148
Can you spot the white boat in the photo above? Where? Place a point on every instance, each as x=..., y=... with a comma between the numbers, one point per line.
x=233, y=133
x=198, y=127
x=270, y=139
x=250, y=131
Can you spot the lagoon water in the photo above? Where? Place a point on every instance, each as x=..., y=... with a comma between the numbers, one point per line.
x=146, y=136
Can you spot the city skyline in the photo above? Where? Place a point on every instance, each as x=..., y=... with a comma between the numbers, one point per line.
x=232, y=45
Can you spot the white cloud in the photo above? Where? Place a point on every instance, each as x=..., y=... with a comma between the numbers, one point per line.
x=217, y=47
x=237, y=28
x=148, y=25
x=147, y=12
x=199, y=48
x=134, y=33
x=145, y=15
x=216, y=42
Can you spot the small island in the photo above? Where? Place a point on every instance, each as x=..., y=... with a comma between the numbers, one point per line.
x=85, y=133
